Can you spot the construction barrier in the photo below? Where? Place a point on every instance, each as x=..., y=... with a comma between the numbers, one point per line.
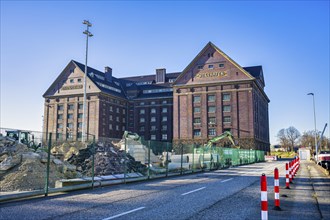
x=264, y=201
x=290, y=172
x=287, y=179
x=277, y=190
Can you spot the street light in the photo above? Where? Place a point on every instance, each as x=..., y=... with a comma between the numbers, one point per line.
x=88, y=34
x=314, y=125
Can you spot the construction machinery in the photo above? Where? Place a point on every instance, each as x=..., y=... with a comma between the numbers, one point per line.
x=225, y=134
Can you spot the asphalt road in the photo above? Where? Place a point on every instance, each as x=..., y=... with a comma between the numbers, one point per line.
x=224, y=194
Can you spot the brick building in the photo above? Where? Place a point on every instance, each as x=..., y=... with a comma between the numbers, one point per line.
x=211, y=95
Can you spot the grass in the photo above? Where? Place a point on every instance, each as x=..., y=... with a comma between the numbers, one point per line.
x=284, y=154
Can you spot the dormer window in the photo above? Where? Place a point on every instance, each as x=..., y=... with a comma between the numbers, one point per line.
x=211, y=66
x=160, y=75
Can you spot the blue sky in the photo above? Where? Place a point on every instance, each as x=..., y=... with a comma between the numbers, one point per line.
x=289, y=39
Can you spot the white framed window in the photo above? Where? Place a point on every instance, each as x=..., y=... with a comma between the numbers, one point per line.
x=226, y=119
x=153, y=110
x=226, y=97
x=197, y=120
x=153, y=137
x=164, y=110
x=164, y=136
x=197, y=132
x=226, y=108
x=212, y=120
x=197, y=109
x=153, y=119
x=211, y=98
x=142, y=111
x=164, y=118
x=197, y=99
x=142, y=120
x=212, y=132
x=211, y=109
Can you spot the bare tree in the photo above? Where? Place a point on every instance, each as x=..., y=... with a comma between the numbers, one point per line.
x=288, y=137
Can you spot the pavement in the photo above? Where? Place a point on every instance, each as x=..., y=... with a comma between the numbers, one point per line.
x=308, y=196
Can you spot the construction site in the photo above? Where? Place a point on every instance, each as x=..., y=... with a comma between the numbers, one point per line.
x=28, y=165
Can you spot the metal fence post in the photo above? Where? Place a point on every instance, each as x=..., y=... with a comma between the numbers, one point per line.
x=93, y=161
x=193, y=157
x=166, y=164
x=125, y=162
x=181, y=157
x=149, y=142
x=48, y=163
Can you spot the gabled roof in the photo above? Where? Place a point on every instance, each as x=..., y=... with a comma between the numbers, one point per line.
x=210, y=44
x=100, y=81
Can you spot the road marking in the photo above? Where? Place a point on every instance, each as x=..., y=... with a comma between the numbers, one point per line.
x=124, y=213
x=193, y=191
x=223, y=181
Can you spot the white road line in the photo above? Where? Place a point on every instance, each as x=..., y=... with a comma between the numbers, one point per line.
x=124, y=213
x=193, y=191
x=223, y=181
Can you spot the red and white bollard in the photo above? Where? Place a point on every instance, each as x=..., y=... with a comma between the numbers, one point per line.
x=264, y=201
x=290, y=172
x=287, y=180
x=277, y=190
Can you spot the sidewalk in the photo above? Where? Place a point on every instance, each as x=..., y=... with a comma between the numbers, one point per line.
x=308, y=196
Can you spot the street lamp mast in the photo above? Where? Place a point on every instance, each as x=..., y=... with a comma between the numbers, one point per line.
x=84, y=124
x=316, y=148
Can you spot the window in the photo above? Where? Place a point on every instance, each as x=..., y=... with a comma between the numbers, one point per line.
x=226, y=119
x=153, y=128
x=141, y=103
x=70, y=116
x=197, y=109
x=164, y=127
x=117, y=110
x=142, y=120
x=153, y=119
x=211, y=66
x=212, y=131
x=79, y=80
x=142, y=128
x=70, y=125
x=212, y=120
x=164, y=118
x=60, y=107
x=60, y=126
x=152, y=103
x=221, y=65
x=226, y=108
x=211, y=98
x=164, y=110
x=124, y=120
x=80, y=115
x=60, y=116
x=79, y=135
x=80, y=125
x=110, y=117
x=226, y=97
x=211, y=109
x=142, y=111
x=110, y=126
x=117, y=128
x=58, y=136
x=197, y=99
x=117, y=119
x=197, y=132
x=197, y=120
x=70, y=106
x=164, y=136
x=80, y=106
x=153, y=137
x=71, y=80
x=124, y=112
x=69, y=136
x=200, y=67
x=111, y=109
x=164, y=102
x=153, y=110
x=210, y=54
x=123, y=129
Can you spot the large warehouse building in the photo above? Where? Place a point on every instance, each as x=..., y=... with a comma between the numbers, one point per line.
x=211, y=95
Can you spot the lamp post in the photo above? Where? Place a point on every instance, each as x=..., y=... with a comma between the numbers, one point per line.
x=314, y=125
x=88, y=34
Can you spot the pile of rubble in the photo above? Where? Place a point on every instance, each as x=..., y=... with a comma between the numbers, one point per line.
x=108, y=160
x=21, y=169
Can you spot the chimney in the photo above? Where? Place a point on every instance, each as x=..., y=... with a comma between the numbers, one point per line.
x=108, y=73
x=160, y=75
